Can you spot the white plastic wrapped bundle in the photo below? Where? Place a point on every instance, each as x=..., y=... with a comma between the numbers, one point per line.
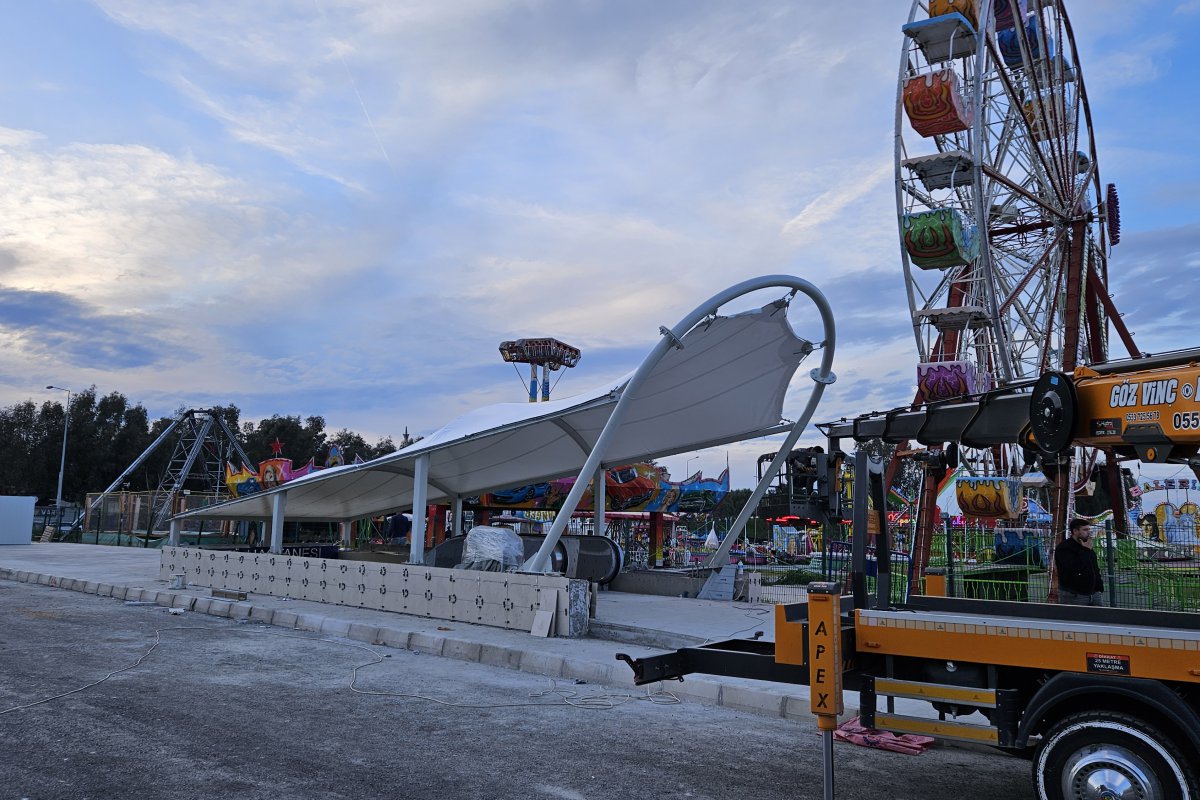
x=492, y=549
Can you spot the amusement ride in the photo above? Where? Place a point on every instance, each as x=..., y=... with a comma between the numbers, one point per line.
x=1004, y=222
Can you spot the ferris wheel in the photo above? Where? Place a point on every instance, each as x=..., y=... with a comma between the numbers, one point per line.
x=1004, y=224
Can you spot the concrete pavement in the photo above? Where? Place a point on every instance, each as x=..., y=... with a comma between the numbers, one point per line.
x=636, y=624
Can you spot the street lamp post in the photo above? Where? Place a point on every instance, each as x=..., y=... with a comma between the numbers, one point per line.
x=687, y=466
x=62, y=464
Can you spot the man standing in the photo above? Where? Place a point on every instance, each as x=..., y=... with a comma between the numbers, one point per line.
x=1079, y=581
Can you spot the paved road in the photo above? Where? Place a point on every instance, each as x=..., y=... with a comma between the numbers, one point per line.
x=243, y=711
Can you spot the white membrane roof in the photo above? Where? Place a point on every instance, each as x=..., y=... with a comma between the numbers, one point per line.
x=726, y=384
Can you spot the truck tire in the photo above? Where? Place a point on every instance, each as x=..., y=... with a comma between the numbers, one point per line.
x=1101, y=755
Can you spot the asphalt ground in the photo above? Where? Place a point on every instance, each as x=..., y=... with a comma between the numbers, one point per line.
x=241, y=710
x=637, y=624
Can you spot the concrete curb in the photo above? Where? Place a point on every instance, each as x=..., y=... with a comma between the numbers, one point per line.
x=759, y=699
x=643, y=637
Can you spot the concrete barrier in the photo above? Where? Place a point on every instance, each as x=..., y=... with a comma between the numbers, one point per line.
x=498, y=599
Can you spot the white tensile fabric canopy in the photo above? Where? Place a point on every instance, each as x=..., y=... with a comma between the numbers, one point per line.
x=727, y=383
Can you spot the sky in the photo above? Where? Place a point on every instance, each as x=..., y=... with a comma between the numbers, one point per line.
x=341, y=207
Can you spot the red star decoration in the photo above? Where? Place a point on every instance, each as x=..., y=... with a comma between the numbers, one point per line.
x=276, y=447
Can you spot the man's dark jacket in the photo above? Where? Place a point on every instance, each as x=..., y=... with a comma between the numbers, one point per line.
x=1078, y=570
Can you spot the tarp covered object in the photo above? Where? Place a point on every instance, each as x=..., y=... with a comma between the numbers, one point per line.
x=726, y=384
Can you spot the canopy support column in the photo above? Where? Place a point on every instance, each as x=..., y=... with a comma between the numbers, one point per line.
x=655, y=556
x=600, y=499
x=173, y=541
x=456, y=508
x=346, y=532
x=278, y=505
x=420, y=512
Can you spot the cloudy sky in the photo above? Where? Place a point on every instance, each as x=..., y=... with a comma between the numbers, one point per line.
x=341, y=207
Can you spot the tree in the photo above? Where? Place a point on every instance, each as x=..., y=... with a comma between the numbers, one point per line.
x=107, y=434
x=25, y=468
x=300, y=440
x=352, y=444
x=727, y=510
x=103, y=437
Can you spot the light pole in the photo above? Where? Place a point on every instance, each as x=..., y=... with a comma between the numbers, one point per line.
x=687, y=466
x=62, y=464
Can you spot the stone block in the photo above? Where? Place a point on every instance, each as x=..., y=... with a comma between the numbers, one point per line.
x=542, y=664
x=241, y=610
x=394, y=638
x=90, y=587
x=798, y=706
x=426, y=643
x=104, y=589
x=590, y=671
x=335, y=627
x=500, y=656
x=201, y=605
x=219, y=608
x=309, y=622
x=262, y=614
x=363, y=633
x=120, y=592
x=700, y=691
x=462, y=650
x=285, y=619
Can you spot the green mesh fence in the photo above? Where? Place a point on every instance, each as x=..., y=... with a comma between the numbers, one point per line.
x=1012, y=563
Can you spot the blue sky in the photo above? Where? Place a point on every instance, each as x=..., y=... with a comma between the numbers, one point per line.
x=341, y=207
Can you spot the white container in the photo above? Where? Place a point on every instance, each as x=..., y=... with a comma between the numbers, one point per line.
x=16, y=520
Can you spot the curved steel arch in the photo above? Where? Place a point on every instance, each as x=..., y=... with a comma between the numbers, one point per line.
x=822, y=377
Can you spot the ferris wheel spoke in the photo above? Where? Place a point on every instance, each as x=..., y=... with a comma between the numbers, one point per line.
x=1027, y=319
x=1022, y=191
x=1007, y=207
x=1038, y=266
x=921, y=197
x=1081, y=194
x=1043, y=125
x=1016, y=162
x=1015, y=102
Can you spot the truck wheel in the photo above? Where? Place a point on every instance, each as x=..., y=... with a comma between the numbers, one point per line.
x=1102, y=755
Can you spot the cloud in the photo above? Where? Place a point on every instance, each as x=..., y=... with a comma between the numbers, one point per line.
x=51, y=326
x=139, y=268
x=826, y=208
x=582, y=170
x=10, y=138
x=1136, y=62
x=1152, y=287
